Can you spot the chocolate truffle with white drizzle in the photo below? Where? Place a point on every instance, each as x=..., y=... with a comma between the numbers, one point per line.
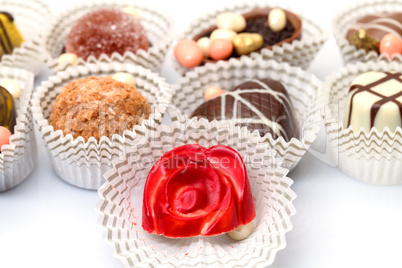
x=262, y=105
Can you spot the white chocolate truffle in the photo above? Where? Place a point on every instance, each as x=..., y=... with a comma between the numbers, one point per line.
x=374, y=100
x=67, y=58
x=231, y=21
x=125, y=78
x=11, y=87
x=242, y=232
x=277, y=20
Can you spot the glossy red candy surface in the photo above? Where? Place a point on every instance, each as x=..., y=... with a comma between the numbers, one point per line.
x=193, y=191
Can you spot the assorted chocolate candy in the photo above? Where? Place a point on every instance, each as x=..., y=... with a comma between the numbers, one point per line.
x=262, y=105
x=235, y=35
x=192, y=191
x=380, y=33
x=374, y=100
x=99, y=106
x=10, y=36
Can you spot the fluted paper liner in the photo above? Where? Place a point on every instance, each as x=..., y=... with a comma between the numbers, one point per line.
x=120, y=203
x=373, y=157
x=30, y=16
x=83, y=163
x=18, y=159
x=301, y=86
x=158, y=25
x=349, y=15
x=298, y=53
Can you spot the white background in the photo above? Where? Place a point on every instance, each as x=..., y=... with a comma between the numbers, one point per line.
x=340, y=222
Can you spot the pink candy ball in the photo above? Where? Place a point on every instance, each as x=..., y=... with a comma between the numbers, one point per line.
x=391, y=44
x=220, y=49
x=212, y=92
x=188, y=53
x=4, y=136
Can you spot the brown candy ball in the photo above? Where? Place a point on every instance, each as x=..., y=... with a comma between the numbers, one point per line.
x=106, y=31
x=98, y=106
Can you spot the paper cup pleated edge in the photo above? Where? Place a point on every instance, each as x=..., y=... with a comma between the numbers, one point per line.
x=373, y=157
x=83, y=163
x=347, y=16
x=155, y=22
x=298, y=53
x=29, y=55
x=18, y=159
x=302, y=87
x=118, y=208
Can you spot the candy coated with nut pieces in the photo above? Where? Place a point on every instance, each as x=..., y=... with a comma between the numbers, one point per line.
x=188, y=53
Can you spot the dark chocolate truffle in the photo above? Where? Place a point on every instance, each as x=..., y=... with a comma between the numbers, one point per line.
x=98, y=106
x=262, y=105
x=106, y=31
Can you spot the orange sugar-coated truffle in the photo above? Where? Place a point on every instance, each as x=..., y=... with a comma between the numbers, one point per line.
x=106, y=31
x=98, y=106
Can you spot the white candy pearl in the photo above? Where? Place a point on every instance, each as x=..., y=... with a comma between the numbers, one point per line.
x=67, y=58
x=125, y=78
x=11, y=87
x=277, y=20
x=231, y=21
x=132, y=11
x=222, y=34
x=242, y=231
x=203, y=43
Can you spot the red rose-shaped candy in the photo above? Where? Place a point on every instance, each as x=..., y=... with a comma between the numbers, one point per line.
x=194, y=191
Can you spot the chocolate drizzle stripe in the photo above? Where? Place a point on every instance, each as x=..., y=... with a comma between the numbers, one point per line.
x=378, y=24
x=384, y=99
x=6, y=49
x=278, y=96
x=277, y=128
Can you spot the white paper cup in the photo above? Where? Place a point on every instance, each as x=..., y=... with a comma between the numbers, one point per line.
x=298, y=53
x=373, y=157
x=18, y=159
x=302, y=88
x=120, y=202
x=30, y=16
x=349, y=15
x=83, y=163
x=158, y=25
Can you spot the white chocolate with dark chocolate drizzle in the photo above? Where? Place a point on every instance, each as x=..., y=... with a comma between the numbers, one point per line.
x=374, y=100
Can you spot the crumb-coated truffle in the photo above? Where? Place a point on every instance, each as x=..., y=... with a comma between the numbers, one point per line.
x=98, y=106
x=106, y=31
